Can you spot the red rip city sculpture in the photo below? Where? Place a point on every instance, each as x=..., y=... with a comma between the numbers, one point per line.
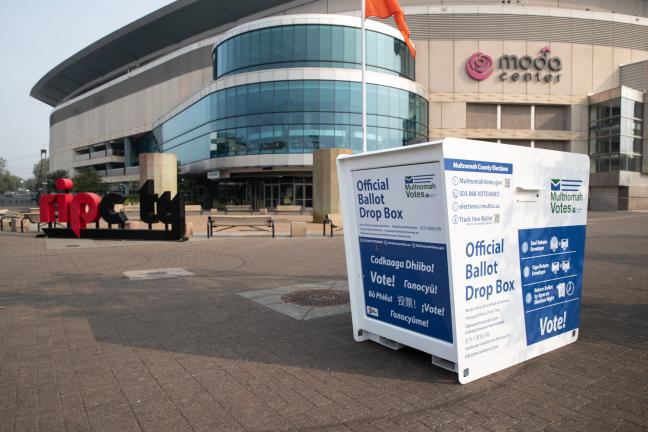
x=76, y=210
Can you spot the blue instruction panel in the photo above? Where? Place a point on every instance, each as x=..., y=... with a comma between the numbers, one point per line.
x=551, y=268
x=406, y=284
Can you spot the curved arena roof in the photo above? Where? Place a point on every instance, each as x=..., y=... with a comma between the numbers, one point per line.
x=155, y=34
x=186, y=21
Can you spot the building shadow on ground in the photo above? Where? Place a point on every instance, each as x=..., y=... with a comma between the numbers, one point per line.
x=200, y=316
x=190, y=315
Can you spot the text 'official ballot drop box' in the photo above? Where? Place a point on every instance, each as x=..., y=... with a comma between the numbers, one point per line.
x=469, y=251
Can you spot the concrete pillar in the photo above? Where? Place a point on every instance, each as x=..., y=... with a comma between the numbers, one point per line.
x=128, y=152
x=162, y=168
x=326, y=194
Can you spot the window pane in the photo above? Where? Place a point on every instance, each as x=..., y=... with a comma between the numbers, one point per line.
x=372, y=99
x=551, y=145
x=342, y=94
x=281, y=96
x=382, y=53
x=265, y=45
x=301, y=41
x=275, y=45
x=245, y=50
x=253, y=98
x=549, y=117
x=349, y=45
x=603, y=145
x=355, y=138
x=615, y=107
x=311, y=96
x=266, y=97
x=638, y=110
x=593, y=114
x=312, y=53
x=372, y=46
x=296, y=139
x=327, y=96
x=481, y=116
x=287, y=50
x=403, y=103
x=296, y=95
x=255, y=47
x=311, y=138
x=338, y=44
x=241, y=100
x=516, y=117
x=603, y=110
x=230, y=101
x=356, y=97
x=602, y=164
x=325, y=44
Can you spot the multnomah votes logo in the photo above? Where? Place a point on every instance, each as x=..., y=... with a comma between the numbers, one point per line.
x=566, y=196
x=566, y=185
x=420, y=186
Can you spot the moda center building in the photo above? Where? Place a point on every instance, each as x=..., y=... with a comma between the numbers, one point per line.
x=243, y=92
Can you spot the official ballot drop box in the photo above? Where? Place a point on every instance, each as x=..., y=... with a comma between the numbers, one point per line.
x=467, y=250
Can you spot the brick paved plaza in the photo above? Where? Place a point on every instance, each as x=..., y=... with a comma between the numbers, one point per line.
x=82, y=347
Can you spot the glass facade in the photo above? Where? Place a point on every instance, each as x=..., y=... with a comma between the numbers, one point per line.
x=293, y=117
x=311, y=45
x=266, y=192
x=615, y=135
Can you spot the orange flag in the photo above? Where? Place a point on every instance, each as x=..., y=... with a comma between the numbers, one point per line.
x=385, y=9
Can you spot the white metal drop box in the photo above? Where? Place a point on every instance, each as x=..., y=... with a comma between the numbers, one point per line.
x=470, y=251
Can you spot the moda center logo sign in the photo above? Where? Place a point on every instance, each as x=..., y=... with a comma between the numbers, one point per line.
x=541, y=68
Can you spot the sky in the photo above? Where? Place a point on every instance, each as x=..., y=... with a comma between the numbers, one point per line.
x=35, y=36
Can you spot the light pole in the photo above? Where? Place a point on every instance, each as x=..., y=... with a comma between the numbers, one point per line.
x=42, y=174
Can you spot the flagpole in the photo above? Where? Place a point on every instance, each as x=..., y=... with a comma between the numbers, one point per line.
x=364, y=82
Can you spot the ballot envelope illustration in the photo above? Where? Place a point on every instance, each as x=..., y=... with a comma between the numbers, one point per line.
x=555, y=266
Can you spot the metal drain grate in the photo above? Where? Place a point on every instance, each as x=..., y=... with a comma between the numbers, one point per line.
x=317, y=297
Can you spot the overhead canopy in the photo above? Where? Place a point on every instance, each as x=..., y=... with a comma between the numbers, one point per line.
x=155, y=34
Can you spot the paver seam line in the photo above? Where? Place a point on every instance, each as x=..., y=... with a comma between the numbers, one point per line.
x=288, y=372
x=266, y=405
x=457, y=397
x=200, y=384
x=56, y=380
x=67, y=342
x=13, y=425
x=130, y=407
x=165, y=392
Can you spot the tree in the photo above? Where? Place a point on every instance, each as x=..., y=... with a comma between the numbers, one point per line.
x=88, y=180
x=53, y=176
x=40, y=173
x=8, y=181
x=30, y=184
